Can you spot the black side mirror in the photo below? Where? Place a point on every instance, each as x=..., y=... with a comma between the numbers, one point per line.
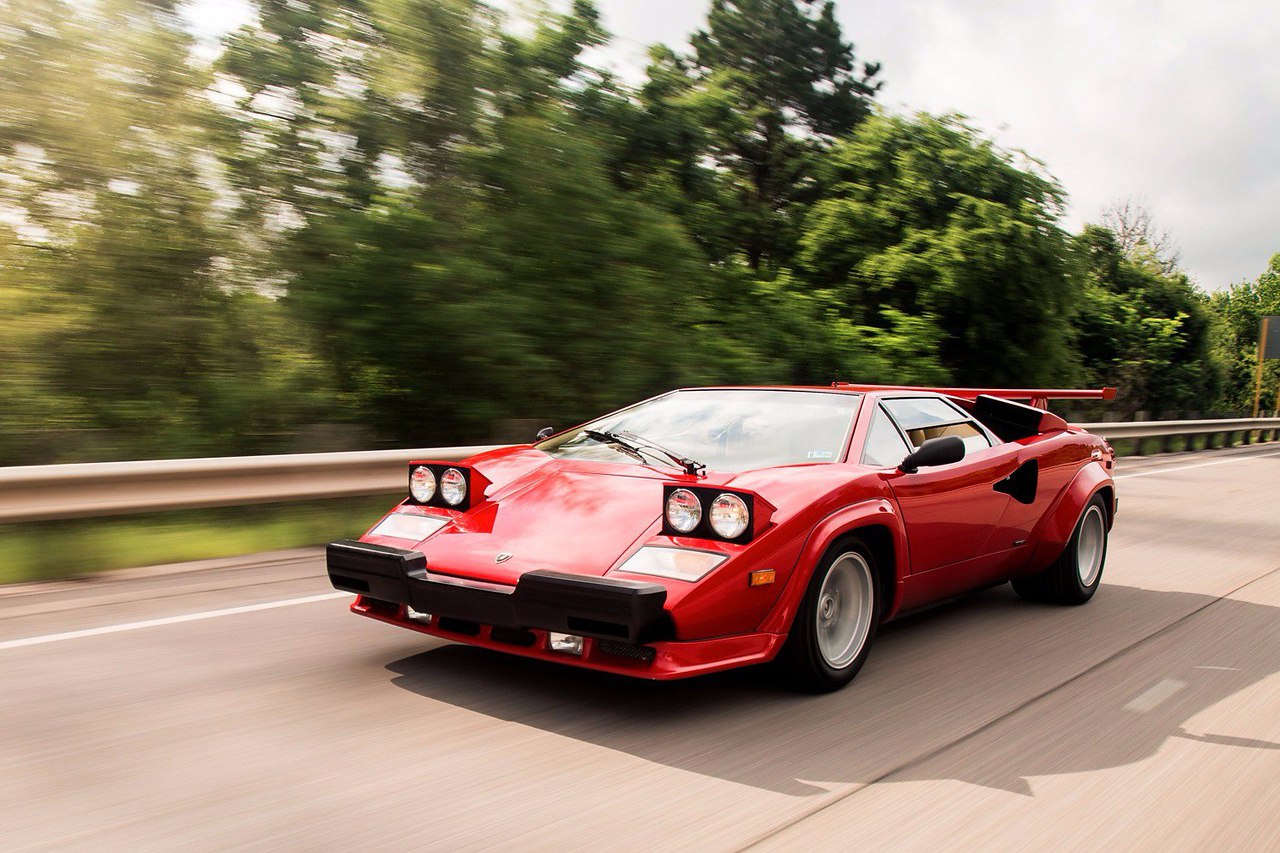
x=545, y=432
x=942, y=450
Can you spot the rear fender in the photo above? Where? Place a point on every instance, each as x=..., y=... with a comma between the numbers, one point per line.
x=877, y=512
x=1060, y=521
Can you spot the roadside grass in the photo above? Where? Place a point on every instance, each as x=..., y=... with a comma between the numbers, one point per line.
x=49, y=550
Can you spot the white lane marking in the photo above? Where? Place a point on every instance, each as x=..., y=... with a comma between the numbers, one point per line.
x=166, y=620
x=1221, y=668
x=1149, y=700
x=1189, y=467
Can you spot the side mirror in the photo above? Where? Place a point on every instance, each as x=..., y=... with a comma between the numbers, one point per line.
x=545, y=432
x=942, y=450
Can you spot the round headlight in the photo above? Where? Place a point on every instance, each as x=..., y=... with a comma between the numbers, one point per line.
x=453, y=487
x=729, y=516
x=684, y=510
x=422, y=484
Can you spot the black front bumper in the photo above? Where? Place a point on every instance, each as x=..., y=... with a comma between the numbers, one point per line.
x=550, y=601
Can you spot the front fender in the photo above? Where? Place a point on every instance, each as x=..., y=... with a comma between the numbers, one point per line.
x=877, y=512
x=1055, y=529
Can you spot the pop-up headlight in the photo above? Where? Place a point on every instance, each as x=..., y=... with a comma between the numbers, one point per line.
x=446, y=485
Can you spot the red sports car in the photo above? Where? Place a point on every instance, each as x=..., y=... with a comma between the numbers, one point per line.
x=711, y=528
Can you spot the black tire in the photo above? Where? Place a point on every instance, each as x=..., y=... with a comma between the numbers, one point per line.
x=807, y=665
x=1066, y=581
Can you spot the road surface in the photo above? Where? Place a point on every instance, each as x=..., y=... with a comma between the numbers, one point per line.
x=241, y=706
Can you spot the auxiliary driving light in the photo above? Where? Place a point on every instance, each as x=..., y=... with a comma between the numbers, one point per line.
x=569, y=644
x=416, y=615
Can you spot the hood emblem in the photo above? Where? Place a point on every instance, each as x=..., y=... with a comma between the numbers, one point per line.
x=502, y=558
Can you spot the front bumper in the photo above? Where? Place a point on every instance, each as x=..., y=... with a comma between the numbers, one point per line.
x=603, y=608
x=626, y=629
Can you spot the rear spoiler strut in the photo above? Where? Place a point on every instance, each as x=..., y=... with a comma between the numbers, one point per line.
x=1038, y=397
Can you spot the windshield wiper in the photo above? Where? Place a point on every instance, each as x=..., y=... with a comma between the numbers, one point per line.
x=616, y=443
x=626, y=438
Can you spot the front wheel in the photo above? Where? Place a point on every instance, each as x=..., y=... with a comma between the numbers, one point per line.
x=833, y=630
x=1074, y=577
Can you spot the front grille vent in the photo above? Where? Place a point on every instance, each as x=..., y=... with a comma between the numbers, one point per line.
x=645, y=654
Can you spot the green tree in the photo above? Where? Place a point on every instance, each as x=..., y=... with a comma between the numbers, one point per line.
x=1143, y=330
x=112, y=285
x=1241, y=308
x=738, y=124
x=925, y=226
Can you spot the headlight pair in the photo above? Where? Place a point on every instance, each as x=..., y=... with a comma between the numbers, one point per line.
x=707, y=513
x=433, y=486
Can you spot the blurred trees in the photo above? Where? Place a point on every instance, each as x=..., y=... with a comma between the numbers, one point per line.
x=407, y=220
x=922, y=218
x=1145, y=330
x=128, y=343
x=1240, y=309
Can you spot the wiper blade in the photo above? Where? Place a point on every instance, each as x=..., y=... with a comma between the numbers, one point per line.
x=637, y=445
x=690, y=466
x=616, y=443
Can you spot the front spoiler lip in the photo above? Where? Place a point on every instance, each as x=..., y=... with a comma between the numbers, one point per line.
x=672, y=659
x=605, y=608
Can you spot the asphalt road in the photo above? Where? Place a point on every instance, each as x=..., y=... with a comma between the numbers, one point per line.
x=241, y=706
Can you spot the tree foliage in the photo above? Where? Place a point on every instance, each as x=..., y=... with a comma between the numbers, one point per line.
x=406, y=221
x=1148, y=332
x=921, y=218
x=1240, y=309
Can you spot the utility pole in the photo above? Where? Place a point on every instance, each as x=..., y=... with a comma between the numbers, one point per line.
x=1267, y=348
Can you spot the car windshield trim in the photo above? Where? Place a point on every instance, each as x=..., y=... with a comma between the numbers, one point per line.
x=727, y=429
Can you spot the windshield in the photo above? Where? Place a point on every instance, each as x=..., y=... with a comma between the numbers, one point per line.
x=725, y=429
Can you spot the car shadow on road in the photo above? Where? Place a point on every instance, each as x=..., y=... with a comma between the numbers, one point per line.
x=938, y=685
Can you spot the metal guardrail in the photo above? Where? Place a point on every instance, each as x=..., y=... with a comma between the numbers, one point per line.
x=45, y=492
x=1172, y=429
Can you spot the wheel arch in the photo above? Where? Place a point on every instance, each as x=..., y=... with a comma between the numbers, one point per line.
x=877, y=523
x=1055, y=529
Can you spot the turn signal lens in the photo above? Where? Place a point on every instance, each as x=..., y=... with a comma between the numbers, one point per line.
x=729, y=516
x=684, y=510
x=453, y=487
x=762, y=577
x=422, y=484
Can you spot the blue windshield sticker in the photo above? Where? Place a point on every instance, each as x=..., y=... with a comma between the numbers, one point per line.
x=820, y=454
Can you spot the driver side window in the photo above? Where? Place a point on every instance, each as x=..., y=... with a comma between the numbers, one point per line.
x=885, y=446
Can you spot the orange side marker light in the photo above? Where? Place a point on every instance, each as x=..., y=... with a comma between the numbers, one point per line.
x=762, y=577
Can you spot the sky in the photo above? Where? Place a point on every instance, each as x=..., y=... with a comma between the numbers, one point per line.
x=1172, y=103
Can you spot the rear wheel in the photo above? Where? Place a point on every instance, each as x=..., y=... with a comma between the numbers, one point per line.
x=1074, y=577
x=832, y=632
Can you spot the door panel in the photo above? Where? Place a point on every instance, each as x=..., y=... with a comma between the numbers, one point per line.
x=952, y=511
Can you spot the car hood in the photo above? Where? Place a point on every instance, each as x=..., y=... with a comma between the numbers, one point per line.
x=557, y=515
x=583, y=517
